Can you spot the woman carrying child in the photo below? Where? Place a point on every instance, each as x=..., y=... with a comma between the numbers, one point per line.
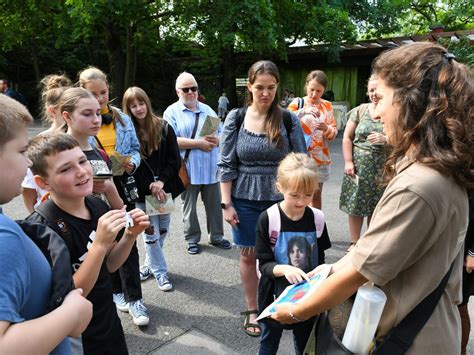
x=254, y=141
x=300, y=225
x=156, y=176
x=317, y=119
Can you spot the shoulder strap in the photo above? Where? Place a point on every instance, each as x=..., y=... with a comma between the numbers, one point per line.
x=104, y=155
x=196, y=122
x=318, y=221
x=400, y=338
x=300, y=103
x=47, y=211
x=287, y=121
x=240, y=117
x=274, y=223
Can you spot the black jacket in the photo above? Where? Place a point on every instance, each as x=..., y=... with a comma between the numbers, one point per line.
x=163, y=163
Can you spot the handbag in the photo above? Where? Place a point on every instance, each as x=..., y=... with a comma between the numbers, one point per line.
x=323, y=340
x=183, y=173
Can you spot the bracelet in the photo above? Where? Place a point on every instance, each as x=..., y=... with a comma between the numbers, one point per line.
x=296, y=319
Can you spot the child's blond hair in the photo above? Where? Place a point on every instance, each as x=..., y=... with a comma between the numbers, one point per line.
x=297, y=172
x=13, y=117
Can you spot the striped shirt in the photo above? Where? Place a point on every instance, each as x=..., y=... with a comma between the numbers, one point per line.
x=201, y=165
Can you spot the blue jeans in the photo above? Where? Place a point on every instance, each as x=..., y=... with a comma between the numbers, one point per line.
x=154, y=257
x=270, y=338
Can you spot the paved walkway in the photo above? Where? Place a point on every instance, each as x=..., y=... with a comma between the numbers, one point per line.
x=201, y=314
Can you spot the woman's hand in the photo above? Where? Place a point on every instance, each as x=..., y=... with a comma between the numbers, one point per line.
x=129, y=167
x=349, y=168
x=376, y=138
x=293, y=274
x=230, y=216
x=156, y=187
x=282, y=314
x=322, y=126
x=469, y=263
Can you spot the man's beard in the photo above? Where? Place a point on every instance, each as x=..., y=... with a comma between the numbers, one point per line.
x=189, y=102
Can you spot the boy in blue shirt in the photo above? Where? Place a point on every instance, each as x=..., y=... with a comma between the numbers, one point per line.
x=26, y=277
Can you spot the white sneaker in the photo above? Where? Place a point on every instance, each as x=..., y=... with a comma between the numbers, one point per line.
x=120, y=302
x=164, y=283
x=145, y=273
x=139, y=313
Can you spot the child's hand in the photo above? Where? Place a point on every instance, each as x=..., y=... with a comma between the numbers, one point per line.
x=108, y=227
x=319, y=268
x=82, y=309
x=156, y=189
x=129, y=167
x=141, y=221
x=294, y=275
x=99, y=186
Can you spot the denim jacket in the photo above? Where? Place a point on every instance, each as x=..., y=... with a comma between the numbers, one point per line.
x=126, y=139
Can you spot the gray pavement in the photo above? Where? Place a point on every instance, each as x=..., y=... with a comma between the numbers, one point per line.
x=202, y=314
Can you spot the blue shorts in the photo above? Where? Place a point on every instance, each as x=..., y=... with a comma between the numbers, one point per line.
x=248, y=212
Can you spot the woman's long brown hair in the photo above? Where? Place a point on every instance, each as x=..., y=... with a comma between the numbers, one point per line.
x=152, y=123
x=436, y=96
x=274, y=114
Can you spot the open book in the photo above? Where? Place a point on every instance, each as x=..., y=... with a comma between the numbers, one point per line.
x=298, y=292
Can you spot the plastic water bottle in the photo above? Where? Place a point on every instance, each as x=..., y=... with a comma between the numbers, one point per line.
x=364, y=319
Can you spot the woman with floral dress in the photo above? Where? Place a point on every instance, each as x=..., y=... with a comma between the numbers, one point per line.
x=365, y=152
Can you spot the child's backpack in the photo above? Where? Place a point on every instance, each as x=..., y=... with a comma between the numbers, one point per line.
x=274, y=222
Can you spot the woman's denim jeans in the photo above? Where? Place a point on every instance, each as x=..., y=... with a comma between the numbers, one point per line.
x=154, y=257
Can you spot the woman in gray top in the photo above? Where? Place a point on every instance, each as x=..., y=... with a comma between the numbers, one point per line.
x=254, y=141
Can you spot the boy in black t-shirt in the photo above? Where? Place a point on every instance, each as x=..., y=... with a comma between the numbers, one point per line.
x=291, y=239
x=89, y=229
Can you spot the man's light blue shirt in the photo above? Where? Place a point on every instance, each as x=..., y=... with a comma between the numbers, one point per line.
x=201, y=165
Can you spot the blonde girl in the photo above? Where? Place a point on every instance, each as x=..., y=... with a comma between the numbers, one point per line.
x=317, y=118
x=52, y=86
x=286, y=255
x=156, y=176
x=81, y=112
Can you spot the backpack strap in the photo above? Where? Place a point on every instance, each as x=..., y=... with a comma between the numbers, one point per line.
x=48, y=211
x=300, y=103
x=318, y=221
x=274, y=223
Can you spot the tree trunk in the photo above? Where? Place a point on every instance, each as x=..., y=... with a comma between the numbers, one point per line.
x=130, y=58
x=113, y=42
x=35, y=59
x=228, y=75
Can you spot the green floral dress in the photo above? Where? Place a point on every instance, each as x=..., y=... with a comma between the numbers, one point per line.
x=359, y=198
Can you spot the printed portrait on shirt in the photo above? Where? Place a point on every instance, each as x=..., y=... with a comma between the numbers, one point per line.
x=298, y=249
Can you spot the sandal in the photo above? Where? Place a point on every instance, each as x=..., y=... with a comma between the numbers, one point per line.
x=222, y=244
x=193, y=249
x=248, y=325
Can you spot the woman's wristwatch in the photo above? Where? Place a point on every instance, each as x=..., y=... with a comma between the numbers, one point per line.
x=226, y=205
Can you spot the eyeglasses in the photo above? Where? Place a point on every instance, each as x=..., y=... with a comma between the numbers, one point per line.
x=186, y=90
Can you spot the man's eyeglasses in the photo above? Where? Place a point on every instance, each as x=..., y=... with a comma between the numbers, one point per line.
x=192, y=88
